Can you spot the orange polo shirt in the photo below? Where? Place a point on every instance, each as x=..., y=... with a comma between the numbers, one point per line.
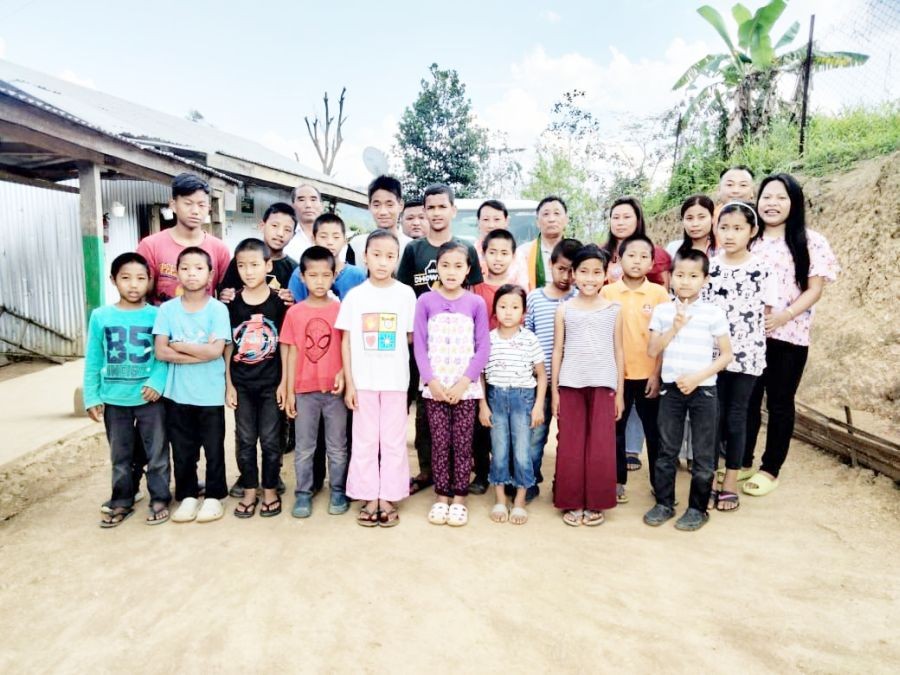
x=637, y=306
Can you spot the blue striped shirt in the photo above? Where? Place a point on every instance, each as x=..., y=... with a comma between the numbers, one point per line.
x=540, y=314
x=691, y=350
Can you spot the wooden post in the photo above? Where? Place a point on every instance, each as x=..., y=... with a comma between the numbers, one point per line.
x=91, y=216
x=854, y=462
x=217, y=214
x=807, y=71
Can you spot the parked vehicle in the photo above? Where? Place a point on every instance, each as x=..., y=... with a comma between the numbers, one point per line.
x=522, y=219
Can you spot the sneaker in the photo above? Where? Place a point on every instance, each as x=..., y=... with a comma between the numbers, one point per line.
x=691, y=520
x=338, y=503
x=658, y=515
x=303, y=505
x=532, y=493
x=211, y=510
x=186, y=511
x=478, y=486
x=236, y=490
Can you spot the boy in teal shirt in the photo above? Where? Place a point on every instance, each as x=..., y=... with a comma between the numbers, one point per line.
x=122, y=385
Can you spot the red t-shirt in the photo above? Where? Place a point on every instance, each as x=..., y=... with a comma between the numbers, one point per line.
x=311, y=330
x=486, y=292
x=161, y=252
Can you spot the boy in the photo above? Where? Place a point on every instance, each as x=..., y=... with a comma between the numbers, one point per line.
x=254, y=378
x=685, y=333
x=412, y=219
x=418, y=269
x=122, y=385
x=330, y=233
x=385, y=205
x=540, y=315
x=499, y=247
x=191, y=331
x=315, y=378
x=277, y=228
x=637, y=297
x=190, y=204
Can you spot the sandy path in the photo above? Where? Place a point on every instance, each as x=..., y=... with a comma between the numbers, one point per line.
x=804, y=580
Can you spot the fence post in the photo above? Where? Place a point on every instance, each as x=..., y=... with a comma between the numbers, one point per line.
x=807, y=69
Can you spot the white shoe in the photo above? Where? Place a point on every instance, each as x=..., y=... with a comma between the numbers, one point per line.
x=438, y=513
x=186, y=511
x=210, y=511
x=459, y=515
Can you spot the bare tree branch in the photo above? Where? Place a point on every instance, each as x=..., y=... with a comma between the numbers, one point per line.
x=326, y=146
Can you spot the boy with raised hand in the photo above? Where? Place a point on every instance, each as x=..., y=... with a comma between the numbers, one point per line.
x=418, y=269
x=190, y=203
x=190, y=334
x=122, y=385
x=412, y=219
x=330, y=233
x=686, y=332
x=277, y=229
x=316, y=382
x=255, y=379
x=540, y=315
x=385, y=205
x=637, y=297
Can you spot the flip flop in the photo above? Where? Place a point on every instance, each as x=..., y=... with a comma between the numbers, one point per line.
x=116, y=518
x=728, y=498
x=759, y=485
x=270, y=509
x=621, y=495
x=246, y=510
x=367, y=518
x=633, y=463
x=158, y=516
x=389, y=518
x=418, y=484
x=573, y=518
x=593, y=518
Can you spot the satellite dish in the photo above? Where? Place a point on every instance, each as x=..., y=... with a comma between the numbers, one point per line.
x=376, y=161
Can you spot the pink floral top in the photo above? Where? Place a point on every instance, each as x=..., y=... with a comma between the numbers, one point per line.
x=775, y=254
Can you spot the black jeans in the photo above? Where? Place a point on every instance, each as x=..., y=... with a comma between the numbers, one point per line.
x=257, y=418
x=673, y=407
x=734, y=390
x=135, y=433
x=648, y=411
x=190, y=427
x=779, y=381
x=481, y=451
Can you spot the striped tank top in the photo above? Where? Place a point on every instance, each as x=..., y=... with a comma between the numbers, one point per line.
x=589, y=358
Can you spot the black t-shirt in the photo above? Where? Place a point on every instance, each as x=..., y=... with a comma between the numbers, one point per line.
x=255, y=361
x=278, y=278
x=418, y=267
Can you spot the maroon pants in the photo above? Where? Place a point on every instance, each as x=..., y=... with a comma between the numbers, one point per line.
x=451, y=428
x=586, y=449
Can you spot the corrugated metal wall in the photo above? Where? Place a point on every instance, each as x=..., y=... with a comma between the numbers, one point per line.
x=41, y=275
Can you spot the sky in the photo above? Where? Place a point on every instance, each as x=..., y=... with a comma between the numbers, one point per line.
x=257, y=70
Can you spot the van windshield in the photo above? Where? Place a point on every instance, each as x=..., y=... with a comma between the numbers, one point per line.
x=522, y=224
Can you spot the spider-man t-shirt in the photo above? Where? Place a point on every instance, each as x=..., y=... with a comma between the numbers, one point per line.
x=311, y=330
x=255, y=361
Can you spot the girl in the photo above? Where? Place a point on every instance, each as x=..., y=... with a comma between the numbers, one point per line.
x=741, y=284
x=452, y=344
x=516, y=387
x=697, y=220
x=376, y=318
x=587, y=383
x=802, y=261
x=625, y=218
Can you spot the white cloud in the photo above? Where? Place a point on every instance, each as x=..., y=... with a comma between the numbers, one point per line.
x=550, y=16
x=70, y=76
x=2, y=48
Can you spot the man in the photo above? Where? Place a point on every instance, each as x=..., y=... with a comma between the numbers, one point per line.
x=308, y=205
x=412, y=219
x=552, y=218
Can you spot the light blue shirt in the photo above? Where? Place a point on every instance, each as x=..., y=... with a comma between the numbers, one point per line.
x=195, y=383
x=691, y=350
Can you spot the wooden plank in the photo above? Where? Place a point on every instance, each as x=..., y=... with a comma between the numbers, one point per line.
x=35, y=182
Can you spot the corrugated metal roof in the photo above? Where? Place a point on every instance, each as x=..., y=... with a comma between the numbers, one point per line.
x=145, y=126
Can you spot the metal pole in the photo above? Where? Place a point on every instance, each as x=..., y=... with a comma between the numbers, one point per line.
x=807, y=68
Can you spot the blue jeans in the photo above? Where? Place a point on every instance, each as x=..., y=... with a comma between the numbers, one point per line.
x=311, y=407
x=539, y=439
x=511, y=431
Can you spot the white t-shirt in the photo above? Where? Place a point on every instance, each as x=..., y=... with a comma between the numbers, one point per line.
x=358, y=244
x=692, y=349
x=512, y=360
x=379, y=321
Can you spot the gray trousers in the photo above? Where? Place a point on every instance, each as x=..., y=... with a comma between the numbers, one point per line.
x=310, y=407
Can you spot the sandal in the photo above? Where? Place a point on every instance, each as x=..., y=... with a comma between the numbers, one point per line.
x=246, y=510
x=713, y=499
x=458, y=516
x=759, y=485
x=593, y=518
x=117, y=517
x=518, y=516
x=621, y=495
x=743, y=474
x=270, y=509
x=573, y=517
x=730, y=499
x=499, y=514
x=633, y=463
x=367, y=518
x=439, y=513
x=419, y=483
x=389, y=518
x=159, y=513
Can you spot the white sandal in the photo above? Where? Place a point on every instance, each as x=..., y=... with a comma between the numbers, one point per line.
x=500, y=513
x=438, y=513
x=459, y=515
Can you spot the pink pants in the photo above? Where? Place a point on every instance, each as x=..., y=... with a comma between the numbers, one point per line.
x=379, y=422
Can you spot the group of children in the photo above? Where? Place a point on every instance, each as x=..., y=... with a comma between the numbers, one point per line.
x=490, y=348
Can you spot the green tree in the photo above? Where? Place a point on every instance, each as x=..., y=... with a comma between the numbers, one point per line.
x=438, y=140
x=743, y=94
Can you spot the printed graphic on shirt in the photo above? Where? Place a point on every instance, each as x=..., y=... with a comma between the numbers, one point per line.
x=256, y=340
x=380, y=331
x=128, y=349
x=317, y=339
x=428, y=276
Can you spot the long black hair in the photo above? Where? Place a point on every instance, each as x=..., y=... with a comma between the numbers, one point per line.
x=611, y=245
x=794, y=226
x=706, y=203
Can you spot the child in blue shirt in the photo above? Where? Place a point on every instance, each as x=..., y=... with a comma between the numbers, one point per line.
x=330, y=231
x=191, y=332
x=122, y=385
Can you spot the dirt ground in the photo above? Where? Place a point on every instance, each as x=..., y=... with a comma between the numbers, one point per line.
x=805, y=580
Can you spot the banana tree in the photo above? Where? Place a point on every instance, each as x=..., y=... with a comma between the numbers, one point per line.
x=743, y=82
